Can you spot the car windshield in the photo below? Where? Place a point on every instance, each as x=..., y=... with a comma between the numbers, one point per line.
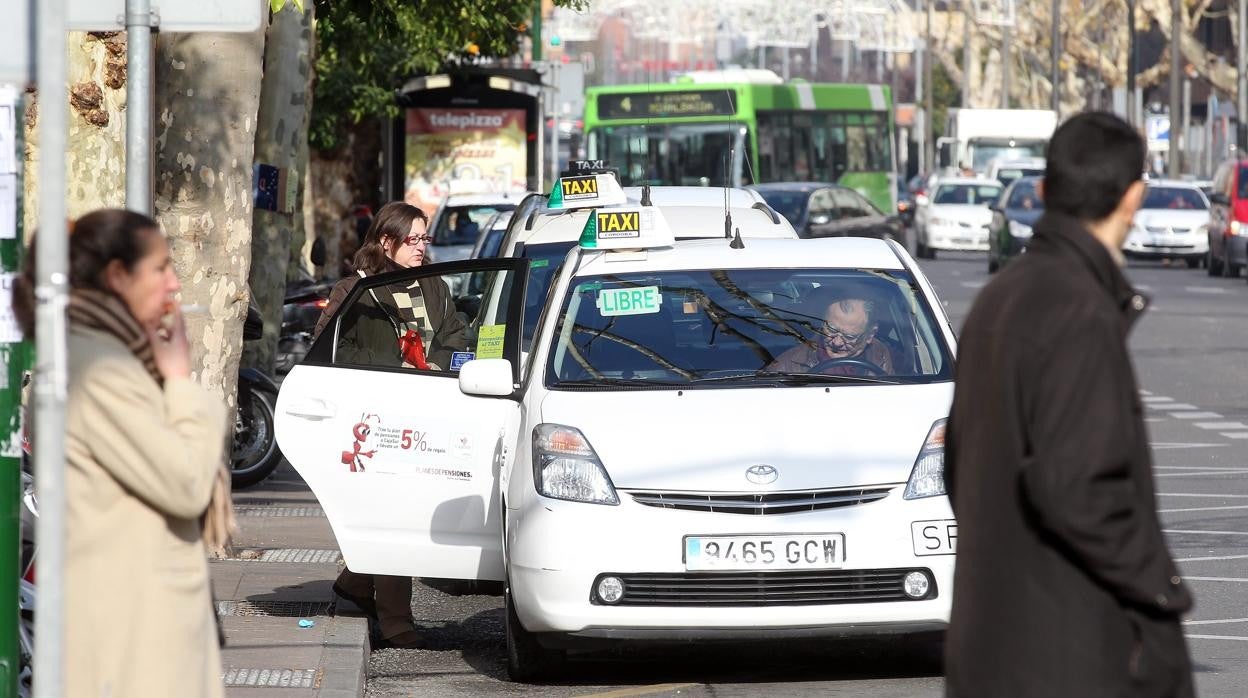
x=746, y=327
x=1024, y=196
x=790, y=204
x=1174, y=198
x=1007, y=175
x=493, y=241
x=974, y=194
x=459, y=225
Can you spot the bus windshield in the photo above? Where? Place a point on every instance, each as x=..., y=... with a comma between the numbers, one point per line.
x=687, y=154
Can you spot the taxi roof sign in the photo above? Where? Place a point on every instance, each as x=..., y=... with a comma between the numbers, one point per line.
x=626, y=228
x=586, y=191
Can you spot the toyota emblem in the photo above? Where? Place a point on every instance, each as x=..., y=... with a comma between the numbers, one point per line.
x=761, y=474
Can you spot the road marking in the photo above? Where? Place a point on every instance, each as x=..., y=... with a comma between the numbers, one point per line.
x=1166, y=445
x=972, y=284
x=1184, y=494
x=1176, y=406
x=1212, y=558
x=1214, y=426
x=1235, y=434
x=1217, y=637
x=1176, y=511
x=1199, y=474
x=1215, y=622
x=1143, y=287
x=1197, y=467
x=1205, y=289
x=1211, y=533
x=1196, y=415
x=1214, y=579
x=1156, y=398
x=640, y=690
x=1145, y=392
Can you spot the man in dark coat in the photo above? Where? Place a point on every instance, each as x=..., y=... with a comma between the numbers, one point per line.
x=1064, y=586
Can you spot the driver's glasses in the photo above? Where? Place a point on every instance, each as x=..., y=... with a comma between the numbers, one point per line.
x=414, y=240
x=846, y=339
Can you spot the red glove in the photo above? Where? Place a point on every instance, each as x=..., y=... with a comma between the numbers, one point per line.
x=413, y=350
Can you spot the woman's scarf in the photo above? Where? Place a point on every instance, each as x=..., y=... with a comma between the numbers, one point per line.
x=105, y=312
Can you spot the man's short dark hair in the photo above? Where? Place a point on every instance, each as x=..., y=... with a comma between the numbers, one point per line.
x=1092, y=159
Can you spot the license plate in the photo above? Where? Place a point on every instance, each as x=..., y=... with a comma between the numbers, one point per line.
x=814, y=551
x=934, y=537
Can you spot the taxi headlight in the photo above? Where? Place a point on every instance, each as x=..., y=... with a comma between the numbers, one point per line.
x=927, y=479
x=1020, y=230
x=566, y=467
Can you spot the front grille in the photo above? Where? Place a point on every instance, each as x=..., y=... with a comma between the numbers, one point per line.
x=759, y=504
x=801, y=588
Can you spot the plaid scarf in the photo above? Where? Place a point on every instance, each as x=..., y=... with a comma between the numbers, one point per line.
x=105, y=312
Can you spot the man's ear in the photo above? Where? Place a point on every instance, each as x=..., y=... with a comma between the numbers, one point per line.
x=1132, y=200
x=1040, y=189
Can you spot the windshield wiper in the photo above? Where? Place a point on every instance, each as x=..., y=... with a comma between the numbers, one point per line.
x=794, y=378
x=618, y=382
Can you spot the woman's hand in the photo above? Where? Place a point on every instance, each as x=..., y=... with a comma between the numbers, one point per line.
x=170, y=347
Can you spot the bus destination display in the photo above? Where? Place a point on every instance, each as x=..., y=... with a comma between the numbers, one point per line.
x=657, y=104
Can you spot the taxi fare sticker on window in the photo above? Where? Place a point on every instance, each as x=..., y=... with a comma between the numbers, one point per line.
x=490, y=342
x=619, y=224
x=578, y=188
x=397, y=446
x=638, y=300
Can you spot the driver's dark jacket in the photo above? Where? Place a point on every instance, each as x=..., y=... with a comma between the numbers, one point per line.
x=367, y=335
x=1063, y=584
x=805, y=356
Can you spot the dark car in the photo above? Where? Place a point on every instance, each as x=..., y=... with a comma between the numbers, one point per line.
x=1013, y=217
x=819, y=210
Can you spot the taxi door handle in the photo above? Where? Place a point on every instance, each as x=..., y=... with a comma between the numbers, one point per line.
x=312, y=408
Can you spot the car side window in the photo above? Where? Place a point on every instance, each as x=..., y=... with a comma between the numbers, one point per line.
x=431, y=323
x=846, y=204
x=823, y=207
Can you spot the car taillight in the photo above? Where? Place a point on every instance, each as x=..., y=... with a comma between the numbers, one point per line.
x=30, y=573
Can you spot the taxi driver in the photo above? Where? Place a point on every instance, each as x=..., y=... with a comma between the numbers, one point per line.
x=844, y=342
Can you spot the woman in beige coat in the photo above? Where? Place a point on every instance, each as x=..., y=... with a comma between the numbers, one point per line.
x=144, y=457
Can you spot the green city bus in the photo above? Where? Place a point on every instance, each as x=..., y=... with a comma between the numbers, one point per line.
x=732, y=134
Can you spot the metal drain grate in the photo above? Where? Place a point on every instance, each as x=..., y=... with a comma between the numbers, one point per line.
x=267, y=511
x=281, y=609
x=288, y=555
x=272, y=678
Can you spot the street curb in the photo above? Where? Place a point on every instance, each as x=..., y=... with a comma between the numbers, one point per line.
x=347, y=649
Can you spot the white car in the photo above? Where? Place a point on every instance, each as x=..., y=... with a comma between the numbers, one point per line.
x=458, y=220
x=1172, y=223
x=649, y=473
x=956, y=216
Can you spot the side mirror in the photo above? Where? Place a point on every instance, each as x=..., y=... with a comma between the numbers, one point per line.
x=1220, y=199
x=486, y=378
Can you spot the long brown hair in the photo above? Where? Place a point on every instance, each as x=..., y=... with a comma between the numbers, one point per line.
x=95, y=240
x=393, y=221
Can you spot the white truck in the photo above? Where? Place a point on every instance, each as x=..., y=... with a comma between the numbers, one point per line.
x=974, y=138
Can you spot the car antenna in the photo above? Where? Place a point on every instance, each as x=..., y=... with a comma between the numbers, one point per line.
x=736, y=243
x=645, y=195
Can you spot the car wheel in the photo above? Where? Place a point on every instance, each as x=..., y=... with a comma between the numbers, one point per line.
x=1212, y=264
x=1193, y=262
x=527, y=660
x=1229, y=270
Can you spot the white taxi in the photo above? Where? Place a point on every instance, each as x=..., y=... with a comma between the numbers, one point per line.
x=676, y=459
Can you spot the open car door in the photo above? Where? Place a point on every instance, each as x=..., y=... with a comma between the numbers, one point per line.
x=405, y=465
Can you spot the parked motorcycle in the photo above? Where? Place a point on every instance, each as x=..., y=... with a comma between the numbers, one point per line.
x=305, y=299
x=255, y=453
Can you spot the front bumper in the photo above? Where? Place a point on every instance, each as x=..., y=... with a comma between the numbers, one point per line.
x=556, y=551
x=958, y=238
x=1160, y=246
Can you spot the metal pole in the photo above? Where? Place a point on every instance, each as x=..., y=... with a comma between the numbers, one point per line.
x=52, y=297
x=1132, y=116
x=966, y=57
x=1185, y=131
x=845, y=61
x=1241, y=77
x=554, y=120
x=1175, y=153
x=784, y=56
x=929, y=158
x=1055, y=77
x=535, y=37
x=139, y=106
x=1006, y=65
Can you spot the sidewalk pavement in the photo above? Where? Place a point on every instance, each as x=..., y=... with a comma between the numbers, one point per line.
x=284, y=563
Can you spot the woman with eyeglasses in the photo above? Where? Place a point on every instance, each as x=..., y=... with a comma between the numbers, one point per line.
x=405, y=324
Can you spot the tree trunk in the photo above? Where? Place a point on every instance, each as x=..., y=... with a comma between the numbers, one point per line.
x=207, y=96
x=281, y=132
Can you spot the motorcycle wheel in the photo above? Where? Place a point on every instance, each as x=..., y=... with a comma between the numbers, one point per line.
x=255, y=454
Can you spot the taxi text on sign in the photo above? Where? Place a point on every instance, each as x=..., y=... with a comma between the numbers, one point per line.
x=172, y=15
x=579, y=187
